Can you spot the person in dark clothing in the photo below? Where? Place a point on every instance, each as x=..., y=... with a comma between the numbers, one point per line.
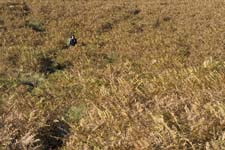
x=72, y=41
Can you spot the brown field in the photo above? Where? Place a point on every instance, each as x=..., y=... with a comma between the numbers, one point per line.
x=145, y=75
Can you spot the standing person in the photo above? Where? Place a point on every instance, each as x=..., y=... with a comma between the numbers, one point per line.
x=72, y=41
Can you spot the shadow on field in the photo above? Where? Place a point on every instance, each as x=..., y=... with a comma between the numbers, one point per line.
x=48, y=65
x=52, y=135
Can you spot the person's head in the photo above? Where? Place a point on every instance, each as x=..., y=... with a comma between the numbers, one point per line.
x=73, y=37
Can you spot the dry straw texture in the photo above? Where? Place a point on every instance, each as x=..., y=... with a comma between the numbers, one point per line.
x=144, y=75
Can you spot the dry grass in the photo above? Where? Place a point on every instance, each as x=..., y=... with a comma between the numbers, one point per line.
x=144, y=75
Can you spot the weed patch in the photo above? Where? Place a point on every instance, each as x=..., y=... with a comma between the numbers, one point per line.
x=75, y=113
x=36, y=26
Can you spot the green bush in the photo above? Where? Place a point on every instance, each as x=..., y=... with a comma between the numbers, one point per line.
x=75, y=113
x=36, y=26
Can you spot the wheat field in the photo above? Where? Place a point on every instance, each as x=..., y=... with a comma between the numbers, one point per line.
x=145, y=75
